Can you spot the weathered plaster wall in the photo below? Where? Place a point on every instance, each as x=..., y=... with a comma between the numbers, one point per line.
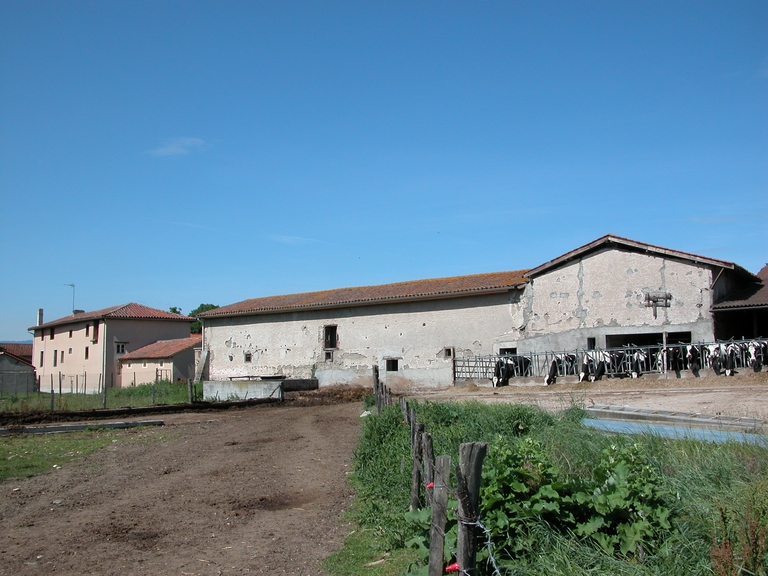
x=415, y=334
x=604, y=293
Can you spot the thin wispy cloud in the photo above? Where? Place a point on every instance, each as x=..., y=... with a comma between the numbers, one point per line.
x=177, y=146
x=292, y=239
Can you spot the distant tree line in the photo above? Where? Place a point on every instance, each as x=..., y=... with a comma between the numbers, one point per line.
x=196, y=327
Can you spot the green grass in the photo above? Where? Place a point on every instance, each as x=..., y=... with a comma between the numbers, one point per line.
x=131, y=396
x=717, y=494
x=26, y=455
x=363, y=547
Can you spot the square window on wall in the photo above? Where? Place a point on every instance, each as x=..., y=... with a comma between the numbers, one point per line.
x=248, y=357
x=330, y=337
x=392, y=365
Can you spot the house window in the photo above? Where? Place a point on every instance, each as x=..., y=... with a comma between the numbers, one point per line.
x=52, y=333
x=248, y=357
x=392, y=364
x=129, y=364
x=447, y=352
x=591, y=343
x=62, y=356
x=95, y=331
x=70, y=333
x=87, y=329
x=330, y=339
x=162, y=363
x=69, y=351
x=144, y=364
x=120, y=348
x=86, y=352
x=41, y=358
x=55, y=358
x=329, y=355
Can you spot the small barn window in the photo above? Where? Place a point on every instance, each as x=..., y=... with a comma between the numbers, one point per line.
x=448, y=352
x=507, y=351
x=248, y=357
x=330, y=337
x=591, y=343
x=329, y=355
x=392, y=365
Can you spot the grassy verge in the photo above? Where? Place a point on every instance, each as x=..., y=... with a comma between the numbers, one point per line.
x=165, y=392
x=24, y=455
x=560, y=498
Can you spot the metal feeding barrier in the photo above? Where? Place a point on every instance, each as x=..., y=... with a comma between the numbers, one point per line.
x=617, y=362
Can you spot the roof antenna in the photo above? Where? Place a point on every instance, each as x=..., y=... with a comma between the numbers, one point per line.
x=73, y=297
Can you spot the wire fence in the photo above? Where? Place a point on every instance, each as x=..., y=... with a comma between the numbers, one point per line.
x=721, y=356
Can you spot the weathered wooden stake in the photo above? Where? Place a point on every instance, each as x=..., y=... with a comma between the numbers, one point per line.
x=468, y=475
x=189, y=390
x=376, y=390
x=439, y=508
x=404, y=407
x=428, y=458
x=416, y=470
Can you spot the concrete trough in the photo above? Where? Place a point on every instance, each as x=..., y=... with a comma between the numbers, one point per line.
x=220, y=390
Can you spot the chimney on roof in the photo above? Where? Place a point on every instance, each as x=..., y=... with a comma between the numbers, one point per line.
x=76, y=312
x=39, y=316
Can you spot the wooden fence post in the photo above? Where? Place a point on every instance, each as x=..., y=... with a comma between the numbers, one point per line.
x=416, y=471
x=428, y=458
x=376, y=389
x=468, y=475
x=439, y=511
x=189, y=390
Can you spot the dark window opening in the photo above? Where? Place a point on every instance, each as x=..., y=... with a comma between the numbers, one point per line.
x=86, y=352
x=96, y=331
x=507, y=351
x=392, y=365
x=330, y=339
x=62, y=357
x=41, y=358
x=52, y=333
x=329, y=355
x=448, y=352
x=591, y=343
x=87, y=329
x=649, y=339
x=248, y=357
x=70, y=333
x=55, y=358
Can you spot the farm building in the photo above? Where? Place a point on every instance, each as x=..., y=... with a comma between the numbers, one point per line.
x=17, y=376
x=162, y=360
x=82, y=351
x=610, y=292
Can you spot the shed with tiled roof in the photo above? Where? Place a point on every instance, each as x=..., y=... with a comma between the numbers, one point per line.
x=172, y=360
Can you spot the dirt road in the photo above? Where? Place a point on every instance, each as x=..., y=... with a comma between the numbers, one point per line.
x=254, y=491
x=257, y=490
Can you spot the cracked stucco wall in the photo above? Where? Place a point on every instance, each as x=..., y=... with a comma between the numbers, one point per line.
x=416, y=334
x=604, y=293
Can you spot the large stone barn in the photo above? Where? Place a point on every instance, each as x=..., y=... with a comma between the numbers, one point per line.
x=608, y=293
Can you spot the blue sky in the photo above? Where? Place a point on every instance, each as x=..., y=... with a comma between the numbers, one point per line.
x=174, y=153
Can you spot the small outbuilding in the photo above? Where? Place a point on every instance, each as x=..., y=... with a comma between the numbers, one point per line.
x=17, y=376
x=171, y=360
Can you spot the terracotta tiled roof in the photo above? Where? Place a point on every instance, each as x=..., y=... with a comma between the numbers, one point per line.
x=627, y=244
x=430, y=289
x=129, y=311
x=163, y=348
x=754, y=296
x=20, y=350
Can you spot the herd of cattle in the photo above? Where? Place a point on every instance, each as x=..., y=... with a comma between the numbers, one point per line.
x=723, y=358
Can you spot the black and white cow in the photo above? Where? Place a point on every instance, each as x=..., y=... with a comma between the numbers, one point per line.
x=637, y=358
x=594, y=365
x=508, y=367
x=563, y=364
x=715, y=358
x=757, y=352
x=693, y=357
